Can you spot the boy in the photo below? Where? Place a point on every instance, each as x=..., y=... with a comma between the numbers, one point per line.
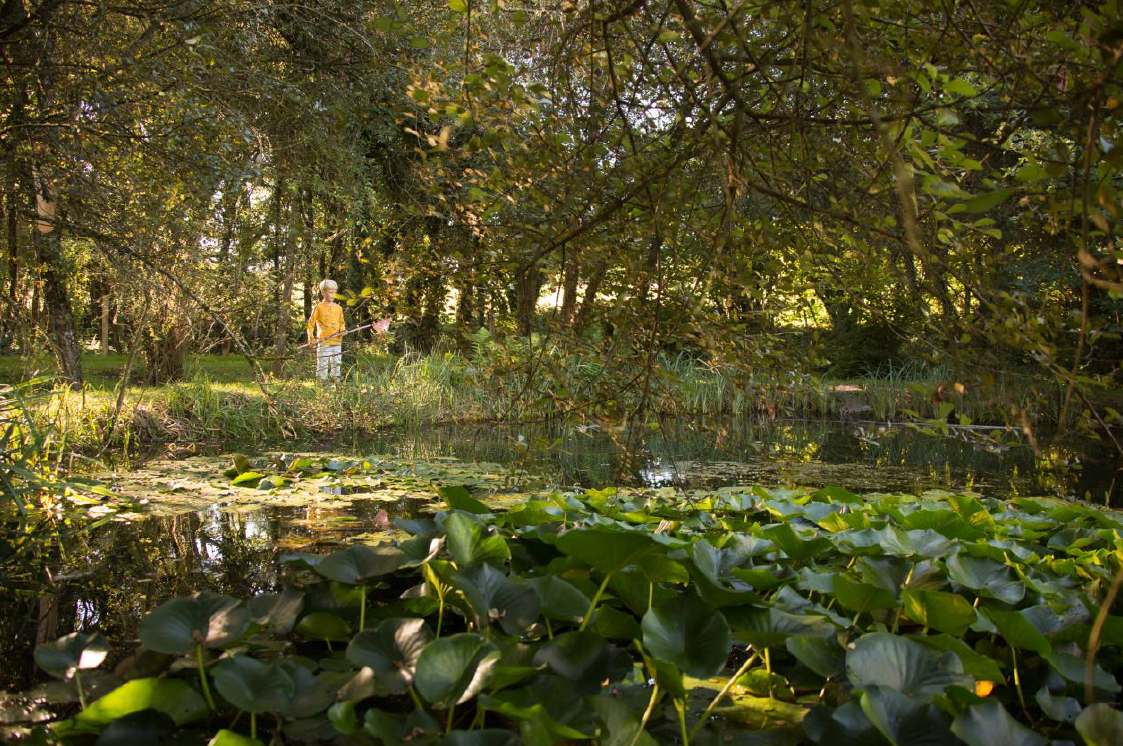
x=325, y=332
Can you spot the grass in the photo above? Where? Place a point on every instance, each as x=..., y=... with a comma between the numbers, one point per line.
x=221, y=405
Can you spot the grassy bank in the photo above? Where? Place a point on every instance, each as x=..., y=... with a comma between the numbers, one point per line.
x=222, y=405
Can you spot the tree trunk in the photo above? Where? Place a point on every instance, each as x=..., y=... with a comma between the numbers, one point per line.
x=528, y=284
x=285, y=250
x=13, y=239
x=589, y=301
x=569, y=291
x=104, y=320
x=60, y=317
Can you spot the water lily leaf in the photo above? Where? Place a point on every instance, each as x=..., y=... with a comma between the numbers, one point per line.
x=495, y=597
x=459, y=498
x=70, y=653
x=621, y=722
x=253, y=686
x=343, y=718
x=1100, y=725
x=469, y=545
x=974, y=663
x=605, y=549
x=582, y=656
x=230, y=738
x=559, y=599
x=1019, y=631
x=323, y=625
x=1061, y=709
x=247, y=477
x=391, y=651
x=794, y=545
x=768, y=627
x=687, y=634
x=205, y=618
x=988, y=724
x=881, y=659
x=985, y=577
x=484, y=736
x=535, y=714
x=143, y=727
x=823, y=655
x=359, y=563
x=613, y=624
x=905, y=721
x=939, y=610
x=453, y=669
x=1073, y=668
x=861, y=597
x=277, y=611
x=173, y=697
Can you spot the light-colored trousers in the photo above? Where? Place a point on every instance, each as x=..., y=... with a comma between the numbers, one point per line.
x=329, y=360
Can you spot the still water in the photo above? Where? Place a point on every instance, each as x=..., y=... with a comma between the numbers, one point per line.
x=107, y=575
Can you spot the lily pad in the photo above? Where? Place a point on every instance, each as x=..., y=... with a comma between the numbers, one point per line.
x=885, y=660
x=688, y=634
x=453, y=669
x=391, y=650
x=206, y=618
x=71, y=653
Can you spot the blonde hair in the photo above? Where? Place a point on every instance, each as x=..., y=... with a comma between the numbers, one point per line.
x=328, y=285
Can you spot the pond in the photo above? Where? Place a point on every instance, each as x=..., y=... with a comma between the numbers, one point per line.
x=196, y=531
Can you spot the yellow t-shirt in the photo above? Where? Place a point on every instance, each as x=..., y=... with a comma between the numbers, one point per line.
x=326, y=322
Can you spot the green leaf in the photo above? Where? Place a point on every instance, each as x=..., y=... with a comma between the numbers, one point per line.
x=688, y=634
x=494, y=596
x=988, y=724
x=986, y=577
x=905, y=721
x=974, y=663
x=985, y=201
x=769, y=627
x=794, y=545
x=459, y=498
x=323, y=625
x=247, y=477
x=581, y=656
x=1100, y=725
x=606, y=550
x=823, y=655
x=469, y=545
x=559, y=599
x=861, y=597
x=253, y=686
x=458, y=6
x=939, y=610
x=230, y=738
x=207, y=618
x=960, y=87
x=70, y=653
x=173, y=697
x=1019, y=632
x=881, y=659
x=453, y=669
x=359, y=563
x=391, y=650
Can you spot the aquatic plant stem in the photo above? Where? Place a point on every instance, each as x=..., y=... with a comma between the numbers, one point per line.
x=253, y=725
x=646, y=715
x=448, y=721
x=81, y=691
x=362, y=607
x=593, y=603
x=1094, y=637
x=416, y=699
x=1018, y=683
x=203, y=676
x=680, y=710
x=724, y=690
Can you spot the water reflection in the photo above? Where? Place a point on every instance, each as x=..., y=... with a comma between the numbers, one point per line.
x=78, y=577
x=108, y=577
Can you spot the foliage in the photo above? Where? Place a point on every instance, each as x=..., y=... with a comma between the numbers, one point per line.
x=568, y=616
